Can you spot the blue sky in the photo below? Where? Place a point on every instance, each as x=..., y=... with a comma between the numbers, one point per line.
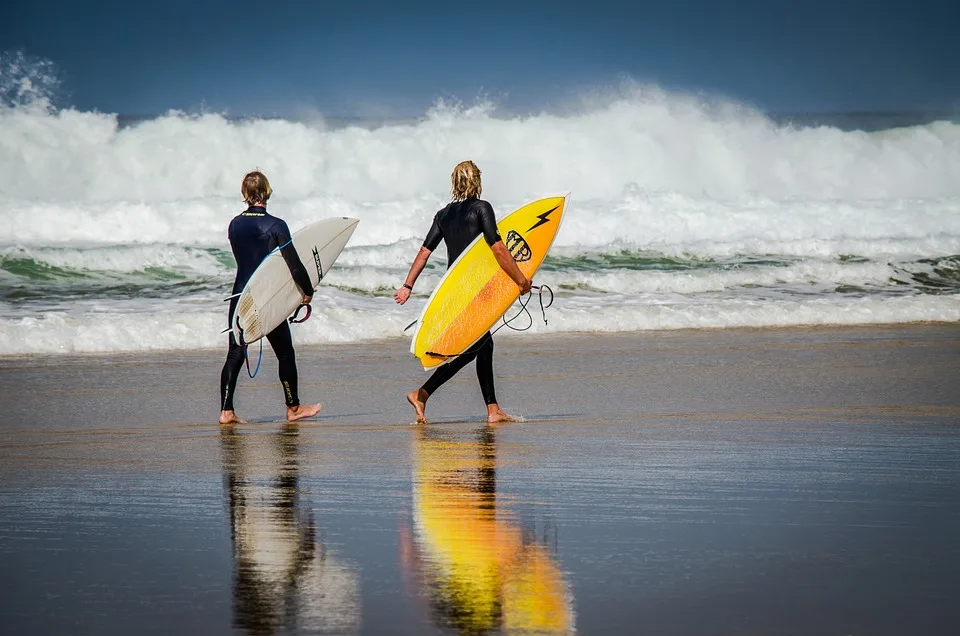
x=287, y=57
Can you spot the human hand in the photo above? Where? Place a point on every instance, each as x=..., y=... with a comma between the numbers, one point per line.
x=401, y=295
x=525, y=287
x=306, y=300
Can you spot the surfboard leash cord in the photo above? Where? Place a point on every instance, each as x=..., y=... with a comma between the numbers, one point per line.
x=293, y=320
x=246, y=358
x=524, y=301
x=259, y=358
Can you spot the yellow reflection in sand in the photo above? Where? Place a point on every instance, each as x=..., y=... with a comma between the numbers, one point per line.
x=479, y=569
x=284, y=579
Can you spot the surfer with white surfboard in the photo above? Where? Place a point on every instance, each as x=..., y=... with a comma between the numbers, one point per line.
x=458, y=224
x=254, y=234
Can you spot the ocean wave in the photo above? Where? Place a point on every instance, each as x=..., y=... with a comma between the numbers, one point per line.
x=161, y=328
x=40, y=262
x=642, y=136
x=669, y=224
x=136, y=269
x=685, y=212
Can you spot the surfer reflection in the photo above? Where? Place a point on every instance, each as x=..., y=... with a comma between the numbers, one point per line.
x=479, y=570
x=284, y=579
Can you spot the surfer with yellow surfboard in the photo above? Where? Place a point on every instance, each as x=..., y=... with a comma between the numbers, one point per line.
x=458, y=224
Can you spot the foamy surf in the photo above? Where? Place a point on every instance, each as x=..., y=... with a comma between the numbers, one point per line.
x=684, y=214
x=125, y=330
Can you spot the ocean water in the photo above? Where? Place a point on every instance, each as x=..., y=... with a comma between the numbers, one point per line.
x=684, y=213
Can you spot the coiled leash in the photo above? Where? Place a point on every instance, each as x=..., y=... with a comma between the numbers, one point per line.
x=293, y=320
x=524, y=301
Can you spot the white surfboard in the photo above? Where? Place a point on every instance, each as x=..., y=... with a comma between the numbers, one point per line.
x=271, y=294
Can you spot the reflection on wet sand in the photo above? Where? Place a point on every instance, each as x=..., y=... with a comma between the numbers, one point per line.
x=283, y=578
x=475, y=564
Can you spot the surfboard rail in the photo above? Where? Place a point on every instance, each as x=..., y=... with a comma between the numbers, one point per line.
x=271, y=294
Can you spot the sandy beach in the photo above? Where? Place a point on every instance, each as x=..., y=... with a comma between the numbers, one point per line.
x=673, y=482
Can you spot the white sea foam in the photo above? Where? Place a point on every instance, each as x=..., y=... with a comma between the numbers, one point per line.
x=670, y=224
x=90, y=331
x=114, y=239
x=649, y=169
x=630, y=281
x=659, y=141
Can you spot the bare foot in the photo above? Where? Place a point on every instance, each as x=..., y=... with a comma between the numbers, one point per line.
x=229, y=417
x=418, y=400
x=496, y=416
x=301, y=411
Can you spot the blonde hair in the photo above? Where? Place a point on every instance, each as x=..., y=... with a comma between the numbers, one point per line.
x=465, y=181
x=255, y=188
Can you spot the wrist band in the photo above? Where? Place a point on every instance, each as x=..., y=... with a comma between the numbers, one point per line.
x=408, y=286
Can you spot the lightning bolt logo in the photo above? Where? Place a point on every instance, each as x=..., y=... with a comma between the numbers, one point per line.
x=544, y=218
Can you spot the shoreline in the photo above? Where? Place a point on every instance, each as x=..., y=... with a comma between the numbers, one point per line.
x=585, y=377
x=573, y=335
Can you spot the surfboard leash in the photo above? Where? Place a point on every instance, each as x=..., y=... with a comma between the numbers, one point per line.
x=293, y=320
x=259, y=358
x=524, y=301
x=246, y=358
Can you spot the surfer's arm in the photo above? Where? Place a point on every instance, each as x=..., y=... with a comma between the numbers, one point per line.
x=510, y=266
x=488, y=224
x=297, y=270
x=418, y=264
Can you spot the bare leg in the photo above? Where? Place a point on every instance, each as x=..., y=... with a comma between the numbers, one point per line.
x=418, y=400
x=229, y=417
x=302, y=410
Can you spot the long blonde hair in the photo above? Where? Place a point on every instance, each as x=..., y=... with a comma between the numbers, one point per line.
x=255, y=188
x=465, y=181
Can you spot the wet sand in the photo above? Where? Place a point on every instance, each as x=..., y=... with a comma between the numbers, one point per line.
x=687, y=482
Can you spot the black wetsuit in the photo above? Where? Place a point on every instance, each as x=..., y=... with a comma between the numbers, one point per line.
x=458, y=225
x=254, y=234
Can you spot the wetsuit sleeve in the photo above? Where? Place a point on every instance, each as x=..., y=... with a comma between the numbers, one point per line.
x=297, y=270
x=435, y=235
x=488, y=223
x=230, y=235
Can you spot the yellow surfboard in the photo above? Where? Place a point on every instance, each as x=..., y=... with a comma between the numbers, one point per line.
x=475, y=292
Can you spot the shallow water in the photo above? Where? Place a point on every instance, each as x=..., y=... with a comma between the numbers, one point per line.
x=821, y=502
